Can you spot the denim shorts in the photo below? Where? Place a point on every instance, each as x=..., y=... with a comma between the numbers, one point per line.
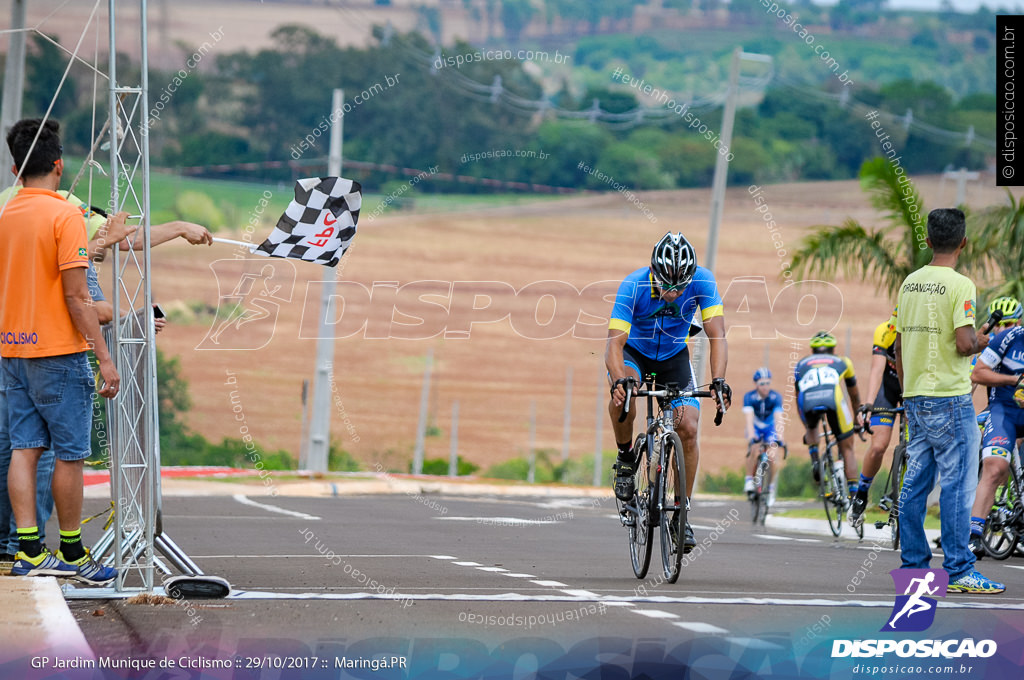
x=49, y=403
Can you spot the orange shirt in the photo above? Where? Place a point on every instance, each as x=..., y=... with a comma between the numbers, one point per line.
x=41, y=235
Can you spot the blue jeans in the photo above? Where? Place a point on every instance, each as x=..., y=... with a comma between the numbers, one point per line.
x=944, y=438
x=44, y=494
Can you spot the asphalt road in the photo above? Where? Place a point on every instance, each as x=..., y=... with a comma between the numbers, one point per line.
x=503, y=587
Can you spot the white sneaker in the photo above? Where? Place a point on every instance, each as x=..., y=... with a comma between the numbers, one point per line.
x=748, y=485
x=771, y=495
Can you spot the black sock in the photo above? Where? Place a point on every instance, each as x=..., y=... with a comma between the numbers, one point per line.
x=71, y=548
x=28, y=541
x=626, y=452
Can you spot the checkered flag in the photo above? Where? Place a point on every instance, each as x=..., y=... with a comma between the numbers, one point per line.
x=319, y=223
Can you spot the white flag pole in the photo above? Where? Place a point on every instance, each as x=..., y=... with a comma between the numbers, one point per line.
x=232, y=242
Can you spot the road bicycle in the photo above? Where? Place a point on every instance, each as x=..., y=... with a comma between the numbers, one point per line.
x=890, y=500
x=1004, y=527
x=659, y=499
x=763, y=477
x=833, y=487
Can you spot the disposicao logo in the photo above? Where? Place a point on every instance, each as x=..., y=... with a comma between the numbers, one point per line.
x=914, y=611
x=969, y=309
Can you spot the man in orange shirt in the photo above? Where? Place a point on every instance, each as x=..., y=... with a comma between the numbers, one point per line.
x=47, y=324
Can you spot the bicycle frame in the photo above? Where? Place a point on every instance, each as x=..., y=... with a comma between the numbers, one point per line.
x=651, y=507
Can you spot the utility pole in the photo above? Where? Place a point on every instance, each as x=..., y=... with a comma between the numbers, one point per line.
x=14, y=86
x=961, y=176
x=722, y=161
x=421, y=426
x=319, y=444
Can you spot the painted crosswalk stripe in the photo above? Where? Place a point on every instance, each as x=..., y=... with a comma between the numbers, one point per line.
x=656, y=614
x=699, y=627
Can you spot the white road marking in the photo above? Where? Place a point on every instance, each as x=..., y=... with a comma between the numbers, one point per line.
x=468, y=564
x=579, y=593
x=501, y=521
x=520, y=575
x=442, y=557
x=608, y=601
x=245, y=500
x=771, y=537
x=270, y=557
x=550, y=584
x=494, y=569
x=656, y=614
x=700, y=627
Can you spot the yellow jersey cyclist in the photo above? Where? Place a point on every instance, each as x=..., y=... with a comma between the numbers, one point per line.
x=648, y=332
x=1001, y=368
x=819, y=394
x=884, y=383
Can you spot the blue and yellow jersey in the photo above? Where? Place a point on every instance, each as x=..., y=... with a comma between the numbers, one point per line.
x=657, y=329
x=824, y=371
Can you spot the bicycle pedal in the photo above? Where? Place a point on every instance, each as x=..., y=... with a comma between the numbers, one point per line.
x=880, y=525
x=885, y=504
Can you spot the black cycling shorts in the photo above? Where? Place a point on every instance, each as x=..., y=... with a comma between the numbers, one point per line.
x=675, y=370
x=887, y=398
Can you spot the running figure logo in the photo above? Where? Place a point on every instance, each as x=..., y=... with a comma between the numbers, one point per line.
x=913, y=611
x=247, y=315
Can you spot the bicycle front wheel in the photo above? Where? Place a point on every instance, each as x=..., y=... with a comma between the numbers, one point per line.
x=673, y=502
x=829, y=495
x=1000, y=537
x=764, y=492
x=640, y=530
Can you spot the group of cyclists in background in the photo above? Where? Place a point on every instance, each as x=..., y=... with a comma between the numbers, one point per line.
x=660, y=307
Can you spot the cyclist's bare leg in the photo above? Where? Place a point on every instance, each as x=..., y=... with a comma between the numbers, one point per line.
x=994, y=472
x=624, y=430
x=753, y=453
x=879, y=444
x=849, y=458
x=686, y=426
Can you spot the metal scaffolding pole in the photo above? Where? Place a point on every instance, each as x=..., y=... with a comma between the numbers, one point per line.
x=130, y=544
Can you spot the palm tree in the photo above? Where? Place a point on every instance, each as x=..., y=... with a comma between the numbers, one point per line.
x=1000, y=234
x=885, y=255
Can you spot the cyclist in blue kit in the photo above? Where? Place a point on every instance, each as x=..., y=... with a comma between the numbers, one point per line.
x=649, y=331
x=1000, y=367
x=760, y=406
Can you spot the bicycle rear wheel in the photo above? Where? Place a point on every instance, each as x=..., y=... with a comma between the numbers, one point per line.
x=829, y=497
x=673, y=502
x=1000, y=536
x=640, y=531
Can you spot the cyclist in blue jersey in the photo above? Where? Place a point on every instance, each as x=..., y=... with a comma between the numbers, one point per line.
x=760, y=406
x=1001, y=367
x=648, y=333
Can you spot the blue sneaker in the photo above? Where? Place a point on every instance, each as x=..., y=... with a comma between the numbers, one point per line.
x=43, y=564
x=91, y=572
x=974, y=582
